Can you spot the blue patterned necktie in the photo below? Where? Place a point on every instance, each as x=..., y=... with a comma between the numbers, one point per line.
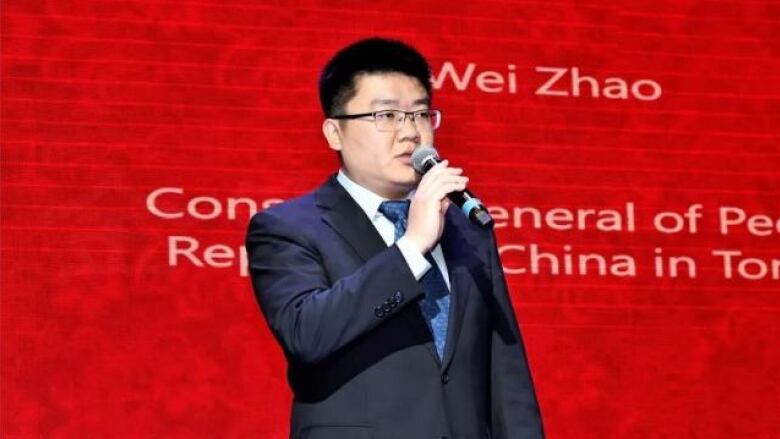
x=436, y=304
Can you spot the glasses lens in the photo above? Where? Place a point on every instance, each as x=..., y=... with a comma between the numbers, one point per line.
x=427, y=119
x=388, y=120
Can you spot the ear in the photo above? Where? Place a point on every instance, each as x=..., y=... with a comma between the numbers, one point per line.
x=332, y=133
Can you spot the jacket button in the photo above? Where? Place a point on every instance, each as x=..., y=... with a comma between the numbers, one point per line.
x=445, y=378
x=379, y=312
x=386, y=308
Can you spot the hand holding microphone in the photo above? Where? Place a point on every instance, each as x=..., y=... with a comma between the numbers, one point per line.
x=439, y=183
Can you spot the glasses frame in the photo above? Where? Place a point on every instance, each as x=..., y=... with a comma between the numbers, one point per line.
x=407, y=114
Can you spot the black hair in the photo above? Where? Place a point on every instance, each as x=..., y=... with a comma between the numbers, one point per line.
x=371, y=55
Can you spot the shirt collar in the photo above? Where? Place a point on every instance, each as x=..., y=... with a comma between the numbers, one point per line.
x=366, y=199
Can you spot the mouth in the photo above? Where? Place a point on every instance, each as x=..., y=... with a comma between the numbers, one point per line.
x=405, y=158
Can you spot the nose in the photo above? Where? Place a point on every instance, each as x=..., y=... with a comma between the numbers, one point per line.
x=408, y=130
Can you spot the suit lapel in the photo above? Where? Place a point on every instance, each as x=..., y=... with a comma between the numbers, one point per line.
x=346, y=217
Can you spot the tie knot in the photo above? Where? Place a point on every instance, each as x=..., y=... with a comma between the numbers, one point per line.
x=395, y=210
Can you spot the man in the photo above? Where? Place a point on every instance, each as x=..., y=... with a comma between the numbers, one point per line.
x=395, y=324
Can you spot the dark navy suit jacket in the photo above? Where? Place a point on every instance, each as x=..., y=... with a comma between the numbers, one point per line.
x=361, y=359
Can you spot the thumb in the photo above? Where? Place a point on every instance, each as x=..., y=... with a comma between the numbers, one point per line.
x=445, y=204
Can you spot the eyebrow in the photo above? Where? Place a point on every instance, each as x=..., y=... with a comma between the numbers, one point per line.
x=421, y=101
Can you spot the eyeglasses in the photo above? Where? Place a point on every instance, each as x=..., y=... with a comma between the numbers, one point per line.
x=393, y=120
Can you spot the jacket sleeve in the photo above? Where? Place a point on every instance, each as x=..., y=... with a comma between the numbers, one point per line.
x=515, y=411
x=310, y=315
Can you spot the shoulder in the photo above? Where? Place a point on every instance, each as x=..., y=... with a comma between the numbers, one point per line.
x=302, y=214
x=295, y=212
x=295, y=207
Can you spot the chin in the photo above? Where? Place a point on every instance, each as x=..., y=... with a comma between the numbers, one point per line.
x=404, y=176
x=410, y=177
x=405, y=184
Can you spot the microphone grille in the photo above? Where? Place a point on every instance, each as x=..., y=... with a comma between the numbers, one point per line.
x=420, y=155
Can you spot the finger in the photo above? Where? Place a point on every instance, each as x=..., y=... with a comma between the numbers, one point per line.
x=445, y=204
x=439, y=169
x=435, y=184
x=449, y=181
x=448, y=171
x=440, y=165
x=443, y=167
x=441, y=192
x=443, y=177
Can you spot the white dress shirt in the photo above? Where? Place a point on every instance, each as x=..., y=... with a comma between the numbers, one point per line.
x=369, y=202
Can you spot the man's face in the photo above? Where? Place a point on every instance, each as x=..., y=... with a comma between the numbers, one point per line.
x=381, y=161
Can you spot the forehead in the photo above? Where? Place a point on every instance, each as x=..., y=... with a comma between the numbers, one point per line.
x=389, y=88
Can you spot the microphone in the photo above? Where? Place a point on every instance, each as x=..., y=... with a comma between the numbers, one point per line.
x=423, y=159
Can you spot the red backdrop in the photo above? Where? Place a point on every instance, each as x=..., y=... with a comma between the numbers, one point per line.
x=138, y=135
